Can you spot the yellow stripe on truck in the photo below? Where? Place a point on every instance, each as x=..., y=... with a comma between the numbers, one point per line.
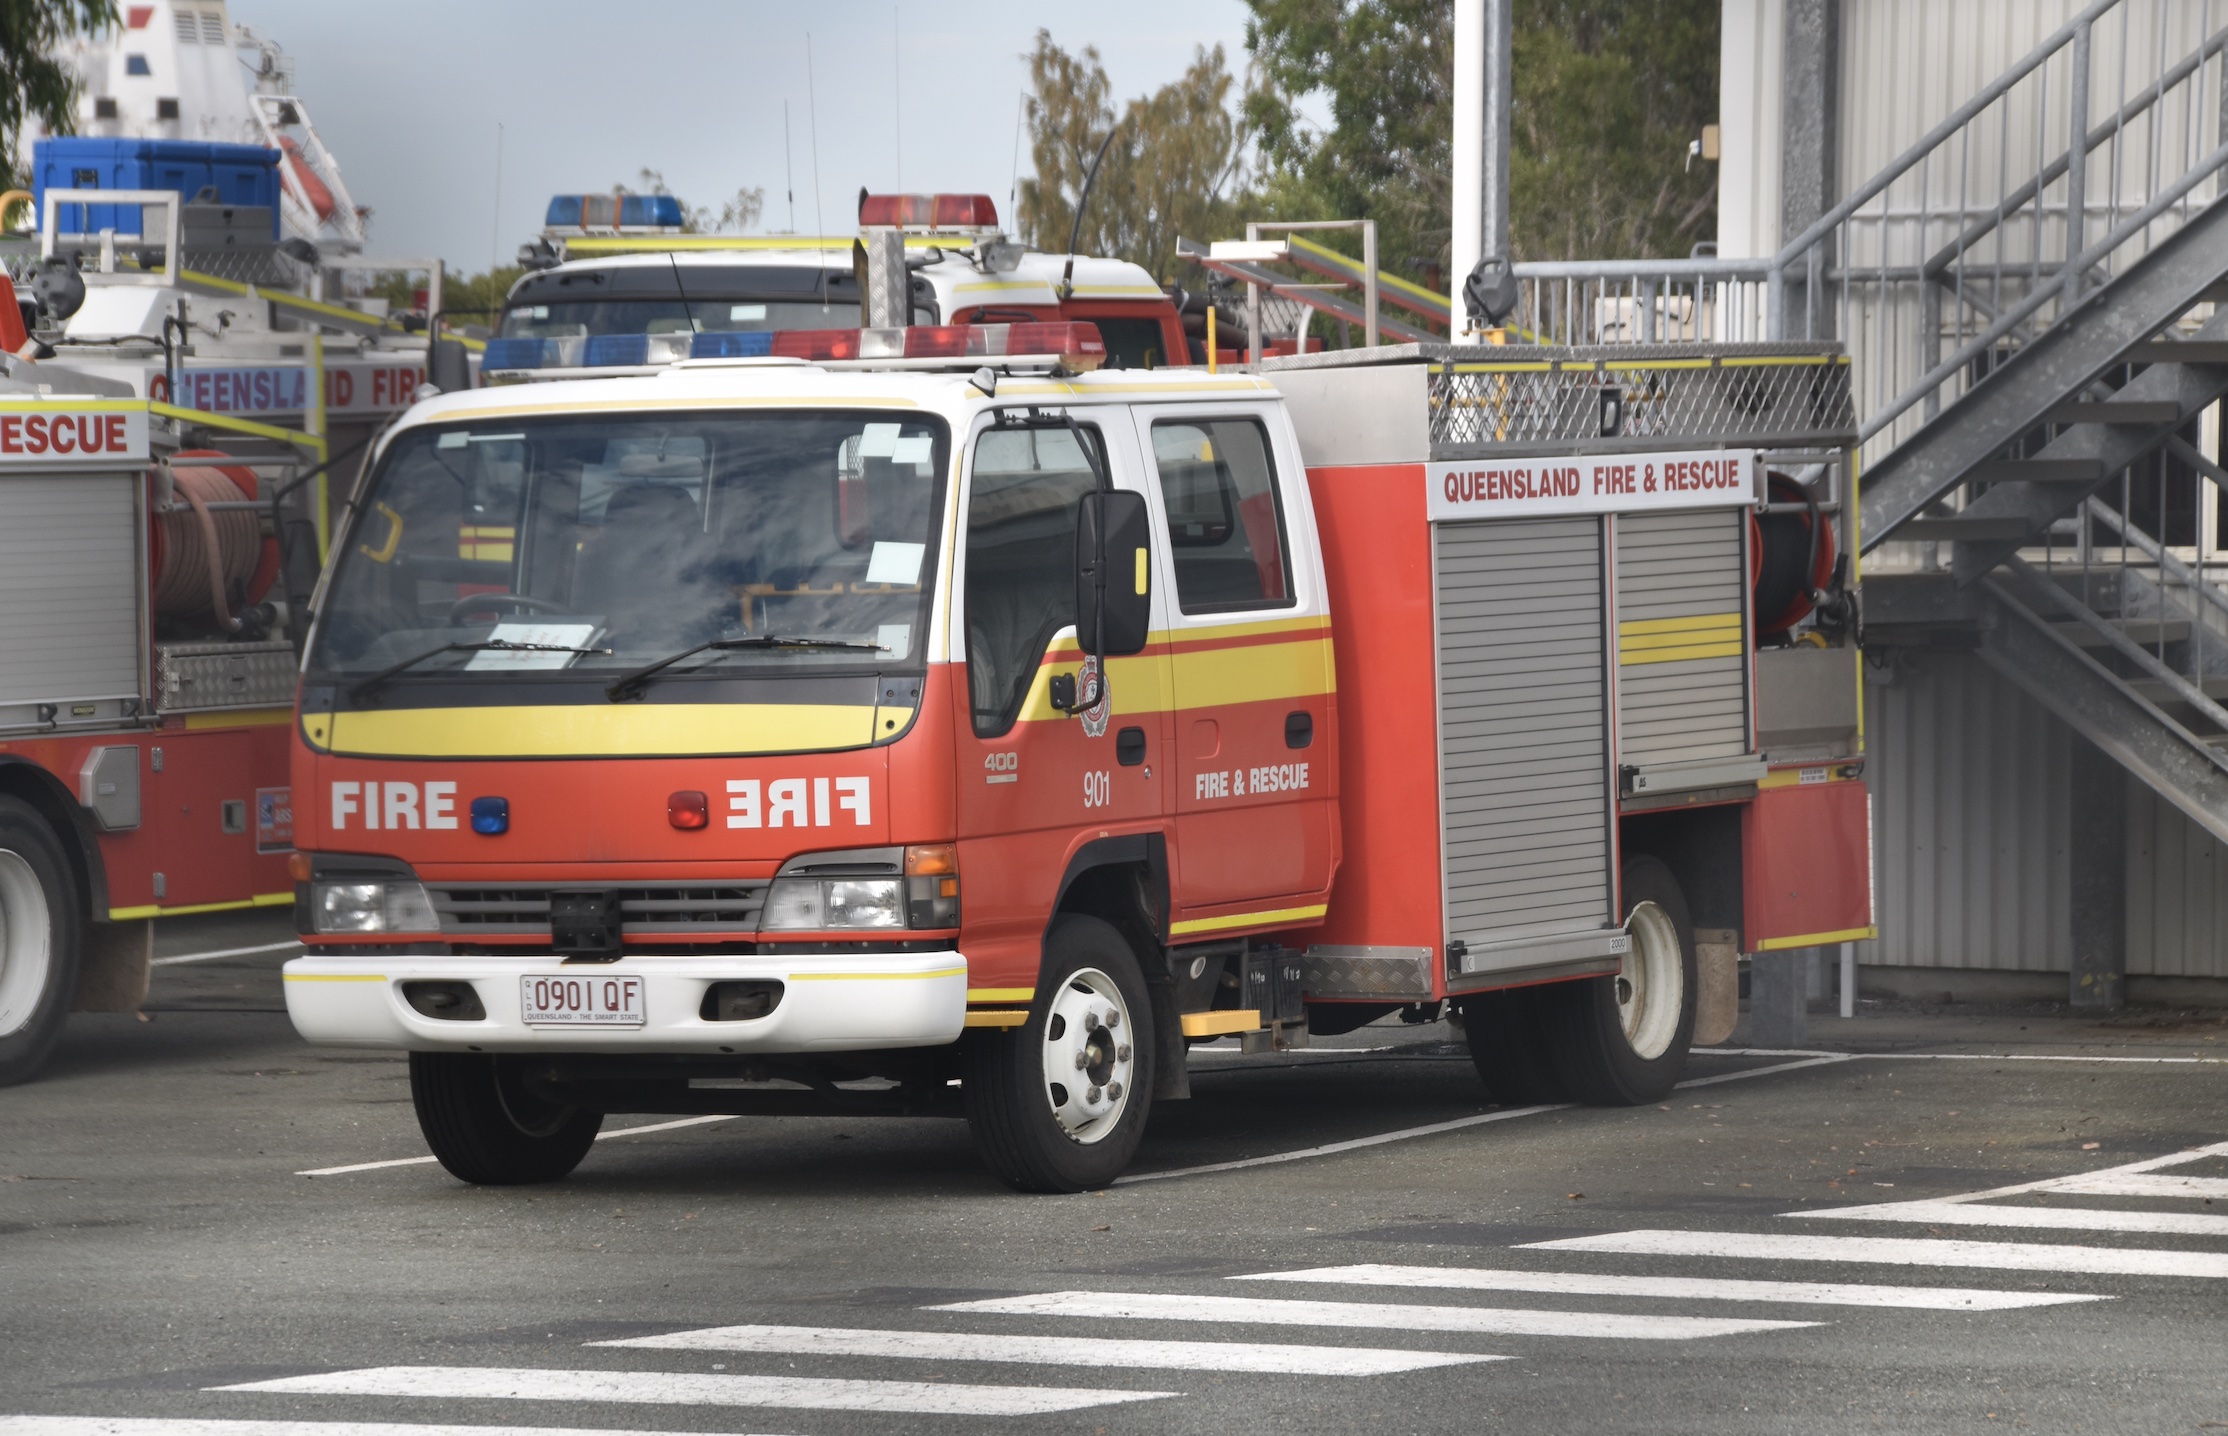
x=1667, y=640
x=1247, y=919
x=579, y=730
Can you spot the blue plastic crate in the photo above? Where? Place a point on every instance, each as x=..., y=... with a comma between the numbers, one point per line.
x=240, y=175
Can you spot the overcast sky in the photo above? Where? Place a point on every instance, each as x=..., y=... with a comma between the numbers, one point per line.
x=409, y=93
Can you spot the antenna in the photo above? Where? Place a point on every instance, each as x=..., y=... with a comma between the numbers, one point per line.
x=896, y=96
x=1013, y=189
x=788, y=167
x=495, y=229
x=812, y=119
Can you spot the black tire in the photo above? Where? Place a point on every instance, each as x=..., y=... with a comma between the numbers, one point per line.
x=40, y=932
x=486, y=1128
x=1507, y=1036
x=1011, y=1085
x=1592, y=1053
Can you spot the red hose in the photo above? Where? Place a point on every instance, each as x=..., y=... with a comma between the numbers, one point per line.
x=203, y=556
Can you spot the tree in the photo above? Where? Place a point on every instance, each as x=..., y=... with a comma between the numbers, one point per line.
x=1608, y=93
x=736, y=214
x=33, y=83
x=1175, y=158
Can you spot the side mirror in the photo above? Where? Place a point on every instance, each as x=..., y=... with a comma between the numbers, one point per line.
x=1121, y=623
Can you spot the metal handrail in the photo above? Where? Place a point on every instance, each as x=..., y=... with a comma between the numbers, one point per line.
x=2044, y=291
x=1926, y=144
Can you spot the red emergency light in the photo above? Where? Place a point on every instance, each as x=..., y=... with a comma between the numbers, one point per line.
x=929, y=211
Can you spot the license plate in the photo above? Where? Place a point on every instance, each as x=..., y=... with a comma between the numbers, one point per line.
x=583, y=1001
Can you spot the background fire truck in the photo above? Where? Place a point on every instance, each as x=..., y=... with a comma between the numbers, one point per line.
x=165, y=435
x=838, y=734
x=618, y=287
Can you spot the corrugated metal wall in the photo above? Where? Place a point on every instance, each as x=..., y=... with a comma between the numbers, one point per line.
x=2177, y=893
x=1970, y=792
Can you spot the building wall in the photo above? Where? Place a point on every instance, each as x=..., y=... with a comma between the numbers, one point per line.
x=1970, y=788
x=2177, y=896
x=1905, y=65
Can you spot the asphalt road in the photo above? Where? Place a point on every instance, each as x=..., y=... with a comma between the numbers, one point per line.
x=1790, y=1244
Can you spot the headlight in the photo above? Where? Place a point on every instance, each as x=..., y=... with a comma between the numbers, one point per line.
x=824, y=904
x=372, y=907
x=863, y=888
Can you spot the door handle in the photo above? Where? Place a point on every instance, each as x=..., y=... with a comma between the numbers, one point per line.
x=1129, y=747
x=1299, y=729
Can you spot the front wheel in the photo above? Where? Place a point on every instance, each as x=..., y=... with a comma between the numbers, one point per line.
x=486, y=1128
x=38, y=940
x=1059, y=1103
x=1623, y=1040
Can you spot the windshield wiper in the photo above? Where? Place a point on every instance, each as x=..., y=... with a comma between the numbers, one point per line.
x=631, y=685
x=378, y=680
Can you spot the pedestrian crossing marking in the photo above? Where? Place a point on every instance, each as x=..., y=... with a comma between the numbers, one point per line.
x=1397, y=1316
x=1900, y=1251
x=1055, y=1350
x=1990, y=1214
x=2144, y=1184
x=184, y=1426
x=1807, y=1293
x=679, y=1388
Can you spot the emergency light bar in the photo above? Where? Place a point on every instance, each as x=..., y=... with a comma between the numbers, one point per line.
x=929, y=211
x=1074, y=347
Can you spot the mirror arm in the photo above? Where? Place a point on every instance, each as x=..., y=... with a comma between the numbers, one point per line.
x=1095, y=646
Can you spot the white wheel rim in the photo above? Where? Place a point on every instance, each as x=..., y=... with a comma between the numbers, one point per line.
x=26, y=938
x=1089, y=1064
x=1651, y=984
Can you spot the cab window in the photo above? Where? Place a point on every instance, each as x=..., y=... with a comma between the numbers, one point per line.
x=1225, y=519
x=1020, y=561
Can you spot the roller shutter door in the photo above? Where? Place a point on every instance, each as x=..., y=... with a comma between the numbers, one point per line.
x=1523, y=731
x=69, y=591
x=1682, y=637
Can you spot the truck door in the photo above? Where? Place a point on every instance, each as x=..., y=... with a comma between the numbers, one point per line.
x=1250, y=661
x=1034, y=781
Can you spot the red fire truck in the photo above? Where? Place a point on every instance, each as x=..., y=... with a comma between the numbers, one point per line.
x=147, y=664
x=916, y=721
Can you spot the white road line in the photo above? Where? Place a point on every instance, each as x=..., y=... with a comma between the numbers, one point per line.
x=2070, y=1219
x=183, y=1426
x=1396, y=1316
x=1056, y=1350
x=1830, y=1059
x=1953, y=1056
x=600, y=1136
x=682, y=1388
x=1330, y=1148
x=2148, y=1184
x=1432, y=1129
x=1806, y=1293
x=221, y=952
x=2068, y=1183
x=1900, y=1251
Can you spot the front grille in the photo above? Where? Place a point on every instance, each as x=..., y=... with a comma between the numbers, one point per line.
x=645, y=908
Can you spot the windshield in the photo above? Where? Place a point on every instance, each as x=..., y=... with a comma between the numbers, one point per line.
x=496, y=549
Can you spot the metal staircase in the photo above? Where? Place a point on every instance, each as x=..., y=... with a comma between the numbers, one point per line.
x=2033, y=486
x=2027, y=298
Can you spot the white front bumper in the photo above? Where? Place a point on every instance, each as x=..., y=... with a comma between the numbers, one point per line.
x=828, y=1003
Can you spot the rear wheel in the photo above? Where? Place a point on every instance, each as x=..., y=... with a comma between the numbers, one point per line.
x=1508, y=1046
x=1059, y=1103
x=1622, y=1040
x=486, y=1128
x=39, y=934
